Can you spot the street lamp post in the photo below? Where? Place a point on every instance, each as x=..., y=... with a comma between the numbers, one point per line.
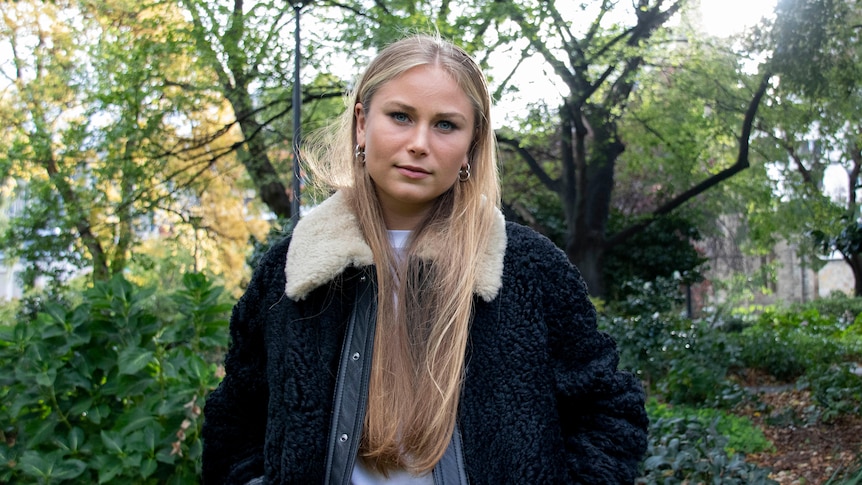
x=297, y=119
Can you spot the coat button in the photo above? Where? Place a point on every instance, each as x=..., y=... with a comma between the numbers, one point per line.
x=342, y=438
x=356, y=356
x=362, y=279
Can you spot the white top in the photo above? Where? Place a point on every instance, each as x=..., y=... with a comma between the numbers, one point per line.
x=363, y=475
x=398, y=239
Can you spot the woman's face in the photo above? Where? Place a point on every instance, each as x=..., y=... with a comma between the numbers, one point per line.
x=416, y=135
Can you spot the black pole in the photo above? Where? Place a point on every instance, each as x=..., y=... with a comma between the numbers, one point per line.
x=297, y=132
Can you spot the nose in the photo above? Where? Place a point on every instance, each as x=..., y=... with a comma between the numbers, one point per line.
x=418, y=142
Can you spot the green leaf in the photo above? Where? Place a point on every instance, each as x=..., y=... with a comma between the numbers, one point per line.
x=46, y=378
x=112, y=441
x=69, y=469
x=35, y=465
x=133, y=359
x=98, y=413
x=81, y=406
x=56, y=312
x=53, y=330
x=150, y=438
x=43, y=431
x=76, y=438
x=110, y=467
x=137, y=419
x=148, y=467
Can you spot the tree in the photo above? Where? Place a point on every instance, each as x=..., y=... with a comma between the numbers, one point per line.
x=599, y=64
x=813, y=124
x=244, y=48
x=99, y=140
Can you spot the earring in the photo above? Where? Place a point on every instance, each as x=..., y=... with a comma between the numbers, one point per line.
x=464, y=173
x=359, y=152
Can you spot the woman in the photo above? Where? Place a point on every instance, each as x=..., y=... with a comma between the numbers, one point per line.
x=405, y=333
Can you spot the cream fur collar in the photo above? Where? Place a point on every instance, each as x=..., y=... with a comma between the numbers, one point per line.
x=328, y=240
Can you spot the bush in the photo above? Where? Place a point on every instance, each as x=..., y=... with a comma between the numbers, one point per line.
x=837, y=390
x=108, y=391
x=686, y=361
x=838, y=307
x=686, y=450
x=742, y=435
x=790, y=345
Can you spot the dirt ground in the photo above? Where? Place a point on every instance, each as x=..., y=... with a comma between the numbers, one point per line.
x=807, y=449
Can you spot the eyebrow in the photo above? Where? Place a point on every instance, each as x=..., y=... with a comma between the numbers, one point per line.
x=410, y=109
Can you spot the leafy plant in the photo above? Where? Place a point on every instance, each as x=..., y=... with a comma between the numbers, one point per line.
x=686, y=361
x=787, y=351
x=686, y=450
x=742, y=435
x=108, y=391
x=837, y=389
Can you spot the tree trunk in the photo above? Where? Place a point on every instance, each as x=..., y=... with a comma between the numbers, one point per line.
x=587, y=194
x=855, y=262
x=255, y=158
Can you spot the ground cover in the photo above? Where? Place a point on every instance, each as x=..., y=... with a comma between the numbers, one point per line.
x=808, y=450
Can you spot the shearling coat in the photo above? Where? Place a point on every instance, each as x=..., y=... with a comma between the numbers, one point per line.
x=542, y=403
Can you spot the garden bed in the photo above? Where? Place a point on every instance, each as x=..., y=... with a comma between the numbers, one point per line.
x=808, y=450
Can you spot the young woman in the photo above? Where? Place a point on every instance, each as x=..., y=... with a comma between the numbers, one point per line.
x=405, y=333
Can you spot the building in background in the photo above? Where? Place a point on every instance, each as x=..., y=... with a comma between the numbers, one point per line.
x=11, y=205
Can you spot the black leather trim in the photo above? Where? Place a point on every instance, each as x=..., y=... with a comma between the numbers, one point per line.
x=351, y=388
x=450, y=470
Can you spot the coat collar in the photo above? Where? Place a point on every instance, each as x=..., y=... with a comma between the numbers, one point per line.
x=328, y=240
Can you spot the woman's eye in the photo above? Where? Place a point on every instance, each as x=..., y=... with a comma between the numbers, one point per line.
x=400, y=117
x=446, y=125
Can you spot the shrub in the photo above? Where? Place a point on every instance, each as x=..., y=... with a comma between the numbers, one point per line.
x=108, y=391
x=788, y=344
x=685, y=450
x=837, y=390
x=742, y=435
x=686, y=361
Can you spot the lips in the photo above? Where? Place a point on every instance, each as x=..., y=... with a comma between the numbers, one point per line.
x=411, y=171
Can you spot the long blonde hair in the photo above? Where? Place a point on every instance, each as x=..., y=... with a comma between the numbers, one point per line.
x=421, y=337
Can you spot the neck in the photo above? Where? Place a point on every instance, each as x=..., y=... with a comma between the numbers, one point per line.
x=403, y=220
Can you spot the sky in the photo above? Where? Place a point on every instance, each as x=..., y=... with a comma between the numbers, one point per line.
x=721, y=18
x=727, y=17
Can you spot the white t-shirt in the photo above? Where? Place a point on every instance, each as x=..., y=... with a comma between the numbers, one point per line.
x=363, y=475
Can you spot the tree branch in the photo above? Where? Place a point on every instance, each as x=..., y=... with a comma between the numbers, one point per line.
x=741, y=164
x=534, y=165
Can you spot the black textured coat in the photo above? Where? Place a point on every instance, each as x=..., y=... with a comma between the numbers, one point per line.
x=543, y=401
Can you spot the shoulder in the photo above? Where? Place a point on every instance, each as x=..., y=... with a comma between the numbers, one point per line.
x=534, y=260
x=275, y=258
x=268, y=273
x=525, y=244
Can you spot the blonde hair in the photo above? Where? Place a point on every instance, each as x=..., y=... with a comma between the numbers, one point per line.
x=421, y=337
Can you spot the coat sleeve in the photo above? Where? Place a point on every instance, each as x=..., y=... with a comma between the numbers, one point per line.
x=235, y=414
x=601, y=408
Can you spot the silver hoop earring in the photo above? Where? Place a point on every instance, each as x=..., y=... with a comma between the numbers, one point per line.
x=464, y=173
x=359, y=153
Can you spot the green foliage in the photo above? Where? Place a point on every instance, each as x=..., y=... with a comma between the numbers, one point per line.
x=840, y=308
x=742, y=435
x=640, y=297
x=663, y=250
x=8, y=311
x=820, y=350
x=845, y=477
x=788, y=343
x=687, y=449
x=108, y=391
x=836, y=388
x=687, y=362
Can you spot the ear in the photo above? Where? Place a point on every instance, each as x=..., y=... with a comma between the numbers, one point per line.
x=359, y=115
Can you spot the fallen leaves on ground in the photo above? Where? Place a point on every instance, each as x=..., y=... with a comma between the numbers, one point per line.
x=807, y=449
